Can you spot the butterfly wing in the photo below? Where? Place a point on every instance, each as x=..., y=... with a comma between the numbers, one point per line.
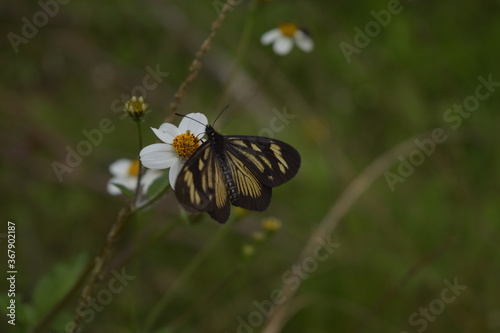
x=257, y=164
x=249, y=192
x=273, y=162
x=200, y=185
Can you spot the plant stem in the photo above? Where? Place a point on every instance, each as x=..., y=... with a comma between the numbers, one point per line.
x=240, y=52
x=43, y=323
x=123, y=217
x=184, y=276
x=129, y=209
x=153, y=199
x=141, y=169
x=331, y=220
x=195, y=66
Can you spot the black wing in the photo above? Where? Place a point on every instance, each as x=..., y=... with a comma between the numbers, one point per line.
x=200, y=185
x=257, y=164
x=273, y=162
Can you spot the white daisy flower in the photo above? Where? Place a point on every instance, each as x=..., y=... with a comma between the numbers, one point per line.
x=284, y=36
x=179, y=144
x=125, y=172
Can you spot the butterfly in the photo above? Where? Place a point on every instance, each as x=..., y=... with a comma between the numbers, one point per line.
x=234, y=169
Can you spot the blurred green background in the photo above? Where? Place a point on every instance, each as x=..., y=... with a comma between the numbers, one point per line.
x=397, y=246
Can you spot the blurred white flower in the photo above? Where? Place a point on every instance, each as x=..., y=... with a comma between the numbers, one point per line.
x=285, y=36
x=179, y=144
x=125, y=172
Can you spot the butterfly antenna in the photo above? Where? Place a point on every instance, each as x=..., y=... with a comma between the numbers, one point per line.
x=199, y=122
x=225, y=108
x=183, y=115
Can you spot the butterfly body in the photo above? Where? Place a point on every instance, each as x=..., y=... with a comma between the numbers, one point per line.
x=217, y=142
x=239, y=170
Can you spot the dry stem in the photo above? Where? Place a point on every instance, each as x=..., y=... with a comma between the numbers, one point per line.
x=339, y=209
x=99, y=261
x=195, y=66
x=126, y=212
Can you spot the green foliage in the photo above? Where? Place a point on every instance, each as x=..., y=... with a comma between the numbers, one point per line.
x=158, y=185
x=48, y=292
x=53, y=287
x=125, y=191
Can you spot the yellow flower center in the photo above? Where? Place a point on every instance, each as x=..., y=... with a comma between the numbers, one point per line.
x=185, y=144
x=288, y=29
x=133, y=170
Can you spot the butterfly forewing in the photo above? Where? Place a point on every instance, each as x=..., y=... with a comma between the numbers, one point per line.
x=273, y=162
x=200, y=185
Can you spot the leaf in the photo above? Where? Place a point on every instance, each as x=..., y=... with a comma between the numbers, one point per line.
x=125, y=191
x=54, y=285
x=158, y=185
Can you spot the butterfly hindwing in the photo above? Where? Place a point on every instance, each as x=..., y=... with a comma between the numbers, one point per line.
x=250, y=193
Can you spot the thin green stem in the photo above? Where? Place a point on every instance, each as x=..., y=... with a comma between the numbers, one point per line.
x=240, y=52
x=205, y=300
x=160, y=306
x=210, y=296
x=153, y=199
x=141, y=171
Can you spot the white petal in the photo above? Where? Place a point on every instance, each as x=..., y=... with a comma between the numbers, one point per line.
x=174, y=172
x=283, y=45
x=167, y=132
x=158, y=156
x=303, y=41
x=120, y=167
x=195, y=122
x=270, y=36
x=128, y=182
x=112, y=189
